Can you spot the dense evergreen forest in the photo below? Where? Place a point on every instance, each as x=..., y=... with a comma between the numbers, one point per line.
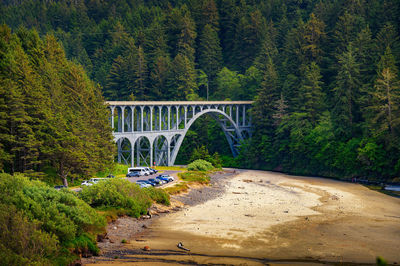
x=323, y=74
x=53, y=120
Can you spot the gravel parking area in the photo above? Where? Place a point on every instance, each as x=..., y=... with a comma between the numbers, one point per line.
x=166, y=172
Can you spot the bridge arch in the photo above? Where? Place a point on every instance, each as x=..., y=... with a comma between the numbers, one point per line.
x=214, y=113
x=125, y=148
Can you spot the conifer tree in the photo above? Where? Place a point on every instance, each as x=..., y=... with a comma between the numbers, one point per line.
x=385, y=105
x=115, y=80
x=210, y=56
x=265, y=100
x=158, y=77
x=182, y=78
x=314, y=32
x=311, y=97
x=346, y=93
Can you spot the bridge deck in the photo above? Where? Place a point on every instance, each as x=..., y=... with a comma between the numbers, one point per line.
x=127, y=103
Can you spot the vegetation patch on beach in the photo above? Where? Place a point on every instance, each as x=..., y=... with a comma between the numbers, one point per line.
x=128, y=198
x=198, y=173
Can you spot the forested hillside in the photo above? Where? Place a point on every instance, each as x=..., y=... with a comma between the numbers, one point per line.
x=324, y=74
x=52, y=116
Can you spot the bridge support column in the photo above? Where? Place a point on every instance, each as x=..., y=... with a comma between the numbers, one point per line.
x=160, y=116
x=177, y=117
x=123, y=118
x=169, y=117
x=112, y=117
x=185, y=115
x=137, y=145
x=244, y=116
x=132, y=119
x=151, y=118
x=141, y=118
x=151, y=153
x=133, y=153
x=169, y=153
x=237, y=115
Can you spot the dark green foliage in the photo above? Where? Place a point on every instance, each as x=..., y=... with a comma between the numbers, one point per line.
x=199, y=165
x=124, y=195
x=40, y=224
x=158, y=195
x=52, y=114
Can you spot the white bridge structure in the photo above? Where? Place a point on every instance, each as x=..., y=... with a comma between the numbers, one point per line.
x=150, y=132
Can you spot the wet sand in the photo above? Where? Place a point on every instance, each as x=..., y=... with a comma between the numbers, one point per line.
x=259, y=217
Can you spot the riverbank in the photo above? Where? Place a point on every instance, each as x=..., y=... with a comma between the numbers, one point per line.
x=126, y=230
x=259, y=217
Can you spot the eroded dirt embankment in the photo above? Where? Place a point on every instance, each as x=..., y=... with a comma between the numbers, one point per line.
x=259, y=217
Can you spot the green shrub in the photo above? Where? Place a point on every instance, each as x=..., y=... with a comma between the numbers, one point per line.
x=21, y=241
x=117, y=193
x=52, y=221
x=200, y=165
x=83, y=244
x=158, y=195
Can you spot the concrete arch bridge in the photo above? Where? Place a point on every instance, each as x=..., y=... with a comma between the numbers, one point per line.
x=151, y=132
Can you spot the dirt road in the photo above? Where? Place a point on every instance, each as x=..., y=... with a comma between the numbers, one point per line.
x=266, y=218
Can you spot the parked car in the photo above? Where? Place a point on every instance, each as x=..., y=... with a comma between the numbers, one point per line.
x=143, y=185
x=133, y=174
x=141, y=170
x=165, y=179
x=157, y=181
x=146, y=182
x=149, y=170
x=153, y=170
x=170, y=178
x=162, y=181
x=86, y=183
x=110, y=176
x=60, y=187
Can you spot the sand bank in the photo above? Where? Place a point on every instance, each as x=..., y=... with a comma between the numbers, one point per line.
x=263, y=217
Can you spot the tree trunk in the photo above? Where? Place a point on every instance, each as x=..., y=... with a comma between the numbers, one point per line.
x=65, y=181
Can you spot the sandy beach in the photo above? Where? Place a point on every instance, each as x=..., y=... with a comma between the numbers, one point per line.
x=259, y=217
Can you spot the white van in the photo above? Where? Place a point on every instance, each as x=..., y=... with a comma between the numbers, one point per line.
x=141, y=170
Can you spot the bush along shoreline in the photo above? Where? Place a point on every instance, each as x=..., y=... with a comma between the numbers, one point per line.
x=40, y=225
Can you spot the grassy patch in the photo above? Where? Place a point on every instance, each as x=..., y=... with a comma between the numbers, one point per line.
x=118, y=170
x=187, y=178
x=195, y=177
x=170, y=168
x=177, y=188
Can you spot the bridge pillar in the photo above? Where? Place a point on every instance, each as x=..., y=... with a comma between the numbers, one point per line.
x=132, y=120
x=177, y=117
x=112, y=117
x=123, y=119
x=151, y=153
x=169, y=117
x=141, y=118
x=151, y=117
x=159, y=118
x=185, y=115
